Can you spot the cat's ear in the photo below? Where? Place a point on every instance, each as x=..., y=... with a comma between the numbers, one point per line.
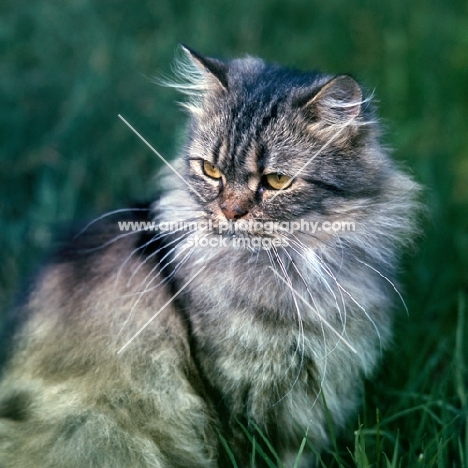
x=339, y=101
x=215, y=71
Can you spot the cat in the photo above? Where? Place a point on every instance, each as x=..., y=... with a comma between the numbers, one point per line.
x=253, y=304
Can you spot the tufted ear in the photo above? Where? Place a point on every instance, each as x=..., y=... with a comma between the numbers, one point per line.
x=336, y=102
x=213, y=69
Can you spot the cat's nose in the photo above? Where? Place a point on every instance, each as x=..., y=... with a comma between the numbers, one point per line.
x=232, y=211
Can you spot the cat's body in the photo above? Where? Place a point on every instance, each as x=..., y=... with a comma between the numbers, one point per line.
x=258, y=338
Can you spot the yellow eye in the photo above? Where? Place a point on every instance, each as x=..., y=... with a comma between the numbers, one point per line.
x=211, y=171
x=278, y=181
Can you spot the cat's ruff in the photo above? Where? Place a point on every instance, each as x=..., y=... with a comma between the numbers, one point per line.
x=158, y=349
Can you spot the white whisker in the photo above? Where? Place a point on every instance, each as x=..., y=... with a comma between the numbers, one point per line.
x=160, y=310
x=322, y=319
x=106, y=215
x=390, y=282
x=338, y=132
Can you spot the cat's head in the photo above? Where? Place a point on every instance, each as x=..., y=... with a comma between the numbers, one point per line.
x=267, y=143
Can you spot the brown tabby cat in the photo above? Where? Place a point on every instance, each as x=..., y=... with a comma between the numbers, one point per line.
x=254, y=309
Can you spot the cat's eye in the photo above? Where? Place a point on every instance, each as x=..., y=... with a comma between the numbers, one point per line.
x=211, y=171
x=278, y=181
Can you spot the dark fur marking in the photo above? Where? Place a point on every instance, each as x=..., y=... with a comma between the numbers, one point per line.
x=16, y=406
x=216, y=151
x=269, y=117
x=262, y=157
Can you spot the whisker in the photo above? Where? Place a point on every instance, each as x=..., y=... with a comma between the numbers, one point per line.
x=307, y=285
x=106, y=215
x=149, y=257
x=141, y=293
x=323, y=267
x=301, y=341
x=339, y=131
x=141, y=247
x=346, y=292
x=186, y=234
x=111, y=241
x=168, y=164
x=165, y=279
x=314, y=267
x=322, y=318
x=390, y=282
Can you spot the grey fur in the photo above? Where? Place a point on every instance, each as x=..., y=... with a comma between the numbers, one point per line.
x=237, y=347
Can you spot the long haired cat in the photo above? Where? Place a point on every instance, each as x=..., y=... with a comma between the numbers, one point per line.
x=255, y=305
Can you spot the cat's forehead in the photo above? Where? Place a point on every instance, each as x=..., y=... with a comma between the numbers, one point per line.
x=257, y=77
x=261, y=97
x=256, y=88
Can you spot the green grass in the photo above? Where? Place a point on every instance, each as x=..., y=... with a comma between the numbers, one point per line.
x=69, y=68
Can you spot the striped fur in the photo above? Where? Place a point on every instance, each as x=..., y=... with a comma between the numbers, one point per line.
x=259, y=338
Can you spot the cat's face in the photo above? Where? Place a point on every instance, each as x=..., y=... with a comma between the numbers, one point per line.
x=269, y=144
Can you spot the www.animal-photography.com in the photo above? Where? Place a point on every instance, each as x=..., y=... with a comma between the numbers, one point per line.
x=234, y=234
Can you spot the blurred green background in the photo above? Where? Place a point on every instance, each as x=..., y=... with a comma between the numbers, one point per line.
x=68, y=68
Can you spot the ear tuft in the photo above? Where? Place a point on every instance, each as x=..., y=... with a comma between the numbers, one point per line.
x=212, y=68
x=200, y=78
x=338, y=101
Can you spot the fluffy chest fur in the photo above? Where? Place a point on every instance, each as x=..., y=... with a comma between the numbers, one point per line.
x=174, y=347
x=277, y=333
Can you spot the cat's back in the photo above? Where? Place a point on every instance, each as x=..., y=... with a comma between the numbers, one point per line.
x=99, y=353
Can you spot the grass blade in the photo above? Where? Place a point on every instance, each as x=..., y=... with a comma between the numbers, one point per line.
x=258, y=448
x=228, y=450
